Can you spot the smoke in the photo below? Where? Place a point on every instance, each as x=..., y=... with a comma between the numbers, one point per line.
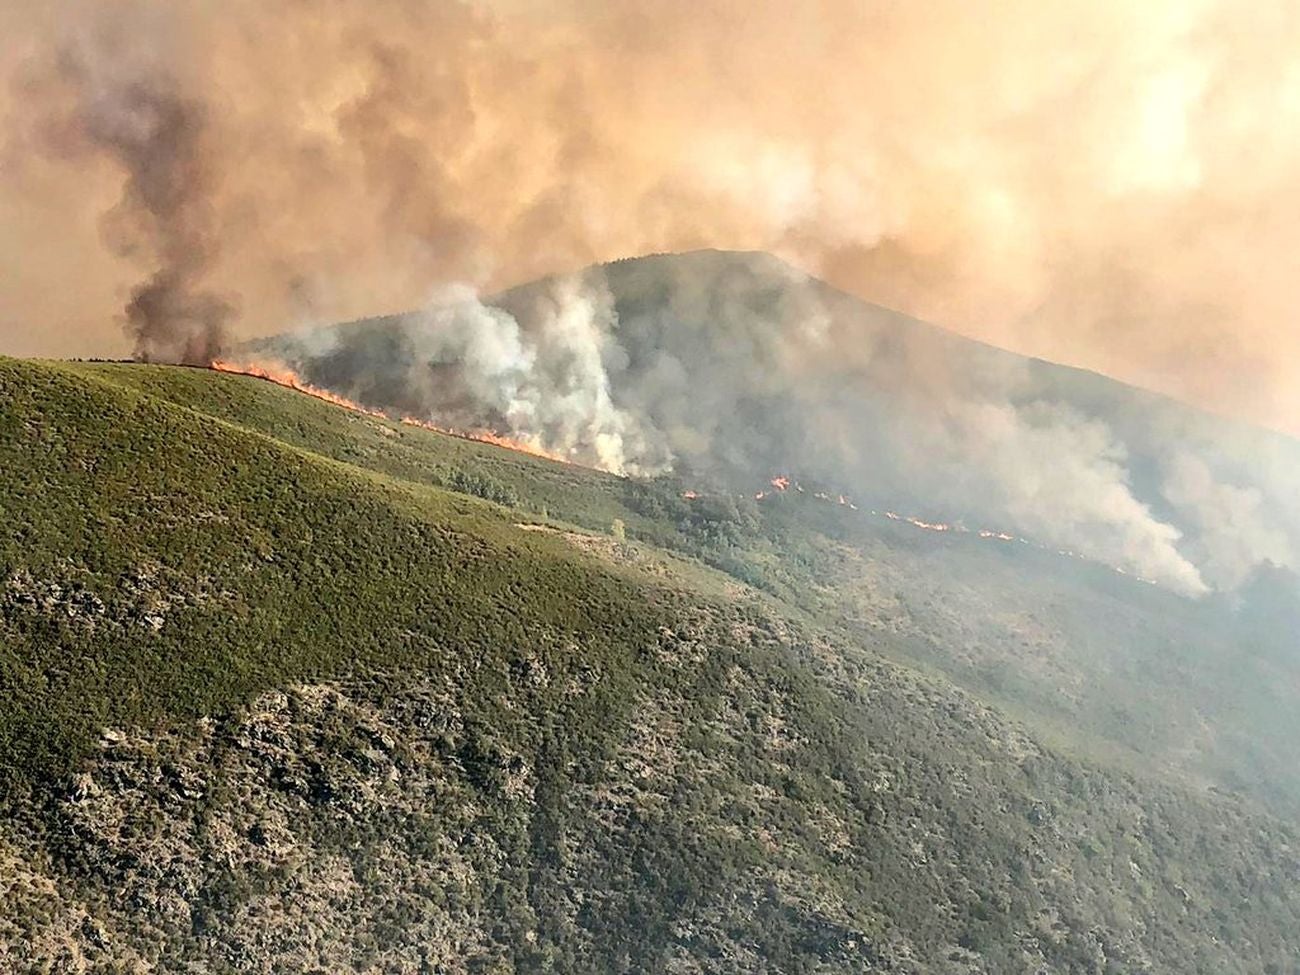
x=548, y=387
x=1235, y=529
x=157, y=139
x=471, y=366
x=573, y=406
x=488, y=351
x=1105, y=183
x=107, y=101
x=1061, y=478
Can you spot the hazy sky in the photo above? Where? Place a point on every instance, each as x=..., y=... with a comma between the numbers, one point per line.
x=1110, y=184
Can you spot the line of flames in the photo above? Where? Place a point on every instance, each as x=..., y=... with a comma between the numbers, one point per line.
x=782, y=483
x=488, y=436
x=289, y=379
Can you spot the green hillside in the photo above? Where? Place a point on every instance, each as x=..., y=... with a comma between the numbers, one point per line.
x=1097, y=663
x=291, y=688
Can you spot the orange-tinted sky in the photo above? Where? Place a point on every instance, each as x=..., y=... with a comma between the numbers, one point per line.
x=1105, y=183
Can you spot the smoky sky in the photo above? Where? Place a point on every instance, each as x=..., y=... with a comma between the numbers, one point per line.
x=1108, y=184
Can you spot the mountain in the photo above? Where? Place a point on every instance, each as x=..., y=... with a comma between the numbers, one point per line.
x=735, y=367
x=738, y=368
x=286, y=686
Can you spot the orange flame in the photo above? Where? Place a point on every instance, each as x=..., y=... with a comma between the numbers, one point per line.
x=487, y=436
x=933, y=526
x=930, y=526
x=782, y=482
x=289, y=379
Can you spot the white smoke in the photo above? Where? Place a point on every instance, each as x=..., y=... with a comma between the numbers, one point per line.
x=1231, y=525
x=496, y=365
x=1062, y=478
x=574, y=337
x=548, y=385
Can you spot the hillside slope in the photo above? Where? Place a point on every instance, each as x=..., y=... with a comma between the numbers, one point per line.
x=1103, y=665
x=736, y=366
x=280, y=694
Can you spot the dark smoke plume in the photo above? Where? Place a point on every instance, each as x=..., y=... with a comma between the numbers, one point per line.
x=138, y=119
x=157, y=137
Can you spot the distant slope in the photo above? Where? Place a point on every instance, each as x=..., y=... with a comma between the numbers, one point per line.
x=734, y=367
x=372, y=357
x=269, y=703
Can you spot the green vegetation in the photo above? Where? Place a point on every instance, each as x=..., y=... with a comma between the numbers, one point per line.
x=1116, y=671
x=248, y=551
x=282, y=692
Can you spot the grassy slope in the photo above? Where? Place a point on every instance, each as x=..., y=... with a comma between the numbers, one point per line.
x=573, y=494
x=248, y=528
x=165, y=562
x=1107, y=667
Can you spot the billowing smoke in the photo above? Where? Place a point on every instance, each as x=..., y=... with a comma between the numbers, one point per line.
x=109, y=102
x=156, y=136
x=462, y=364
x=1101, y=182
x=1235, y=528
x=1056, y=476
x=736, y=367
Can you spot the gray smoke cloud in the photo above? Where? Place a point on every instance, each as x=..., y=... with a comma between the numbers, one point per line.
x=1234, y=527
x=738, y=367
x=1056, y=476
x=110, y=100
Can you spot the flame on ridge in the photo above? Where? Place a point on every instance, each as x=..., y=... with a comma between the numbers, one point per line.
x=283, y=376
x=291, y=380
x=488, y=436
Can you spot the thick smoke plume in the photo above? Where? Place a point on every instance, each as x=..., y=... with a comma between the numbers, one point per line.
x=1236, y=528
x=157, y=139
x=1058, y=477
x=107, y=102
x=1107, y=183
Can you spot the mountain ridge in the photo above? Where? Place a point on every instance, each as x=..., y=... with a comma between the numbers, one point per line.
x=737, y=367
x=1090, y=376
